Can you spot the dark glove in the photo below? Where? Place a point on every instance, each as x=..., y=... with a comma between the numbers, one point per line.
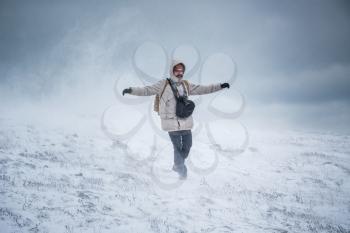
x=127, y=90
x=223, y=85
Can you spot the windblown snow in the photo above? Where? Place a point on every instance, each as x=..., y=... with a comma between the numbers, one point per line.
x=55, y=179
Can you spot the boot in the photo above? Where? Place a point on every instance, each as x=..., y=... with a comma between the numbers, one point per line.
x=182, y=172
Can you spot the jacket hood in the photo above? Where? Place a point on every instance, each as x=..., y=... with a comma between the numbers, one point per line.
x=173, y=64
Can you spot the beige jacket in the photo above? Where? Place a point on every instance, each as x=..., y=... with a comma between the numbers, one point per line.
x=167, y=104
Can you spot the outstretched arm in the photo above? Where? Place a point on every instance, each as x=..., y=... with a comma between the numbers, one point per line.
x=146, y=90
x=206, y=89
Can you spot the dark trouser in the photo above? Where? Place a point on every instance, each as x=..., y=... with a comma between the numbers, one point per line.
x=182, y=142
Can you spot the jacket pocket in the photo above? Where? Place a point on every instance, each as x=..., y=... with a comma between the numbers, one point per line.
x=167, y=115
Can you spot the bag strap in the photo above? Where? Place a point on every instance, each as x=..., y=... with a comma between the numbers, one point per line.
x=187, y=87
x=175, y=91
x=166, y=83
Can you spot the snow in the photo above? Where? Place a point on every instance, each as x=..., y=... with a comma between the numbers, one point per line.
x=74, y=179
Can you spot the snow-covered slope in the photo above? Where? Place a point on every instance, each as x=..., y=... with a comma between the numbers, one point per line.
x=66, y=180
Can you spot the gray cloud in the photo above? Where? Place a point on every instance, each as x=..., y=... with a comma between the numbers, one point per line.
x=291, y=55
x=314, y=86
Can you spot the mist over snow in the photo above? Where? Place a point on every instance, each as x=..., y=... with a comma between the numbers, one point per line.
x=292, y=58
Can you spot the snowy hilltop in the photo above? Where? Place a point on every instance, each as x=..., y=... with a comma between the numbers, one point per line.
x=56, y=179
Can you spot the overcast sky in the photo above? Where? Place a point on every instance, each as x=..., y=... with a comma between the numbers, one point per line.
x=293, y=57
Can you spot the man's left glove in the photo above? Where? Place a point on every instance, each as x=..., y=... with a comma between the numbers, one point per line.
x=223, y=85
x=127, y=90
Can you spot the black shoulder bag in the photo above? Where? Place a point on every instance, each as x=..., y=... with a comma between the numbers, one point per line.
x=184, y=106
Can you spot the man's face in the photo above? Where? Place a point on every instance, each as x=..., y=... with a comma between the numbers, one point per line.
x=178, y=71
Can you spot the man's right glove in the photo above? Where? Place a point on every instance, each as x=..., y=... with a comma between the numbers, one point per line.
x=223, y=85
x=127, y=90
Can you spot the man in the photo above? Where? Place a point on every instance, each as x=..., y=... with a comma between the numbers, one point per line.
x=179, y=129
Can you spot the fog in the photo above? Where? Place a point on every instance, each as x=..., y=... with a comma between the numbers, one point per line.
x=269, y=154
x=62, y=58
